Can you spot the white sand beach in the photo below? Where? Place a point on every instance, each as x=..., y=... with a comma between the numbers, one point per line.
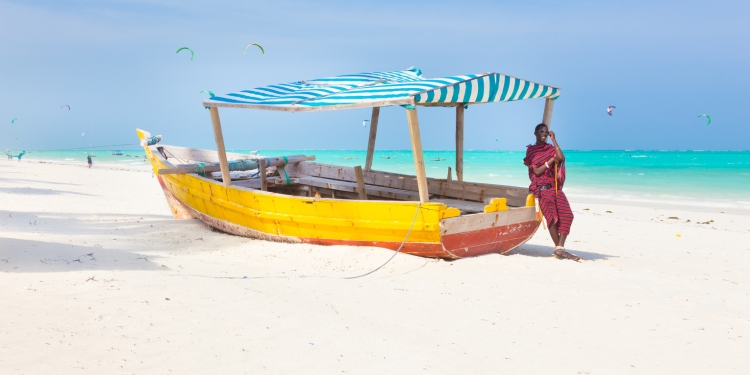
x=97, y=277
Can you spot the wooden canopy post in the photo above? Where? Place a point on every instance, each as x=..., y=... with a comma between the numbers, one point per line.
x=547, y=117
x=460, y=142
x=360, y=183
x=219, y=136
x=371, y=141
x=262, y=174
x=416, y=149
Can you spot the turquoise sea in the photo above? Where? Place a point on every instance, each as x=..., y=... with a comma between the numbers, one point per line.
x=695, y=178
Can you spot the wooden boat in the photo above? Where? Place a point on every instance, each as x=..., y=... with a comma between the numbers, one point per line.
x=295, y=199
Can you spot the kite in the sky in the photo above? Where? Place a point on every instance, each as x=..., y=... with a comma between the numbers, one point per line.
x=209, y=93
x=609, y=109
x=65, y=105
x=254, y=44
x=192, y=54
x=497, y=140
x=13, y=121
x=84, y=134
x=707, y=116
x=364, y=122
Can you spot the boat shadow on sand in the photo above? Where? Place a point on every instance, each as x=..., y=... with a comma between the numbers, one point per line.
x=52, y=242
x=36, y=191
x=540, y=251
x=29, y=256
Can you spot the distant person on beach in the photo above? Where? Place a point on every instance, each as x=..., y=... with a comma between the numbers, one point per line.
x=20, y=155
x=546, y=165
x=88, y=159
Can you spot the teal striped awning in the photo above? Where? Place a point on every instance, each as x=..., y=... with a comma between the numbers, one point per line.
x=380, y=89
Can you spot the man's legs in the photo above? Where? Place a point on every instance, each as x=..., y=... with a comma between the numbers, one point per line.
x=554, y=234
x=556, y=210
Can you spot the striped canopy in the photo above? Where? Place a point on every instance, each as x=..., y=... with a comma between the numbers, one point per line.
x=380, y=89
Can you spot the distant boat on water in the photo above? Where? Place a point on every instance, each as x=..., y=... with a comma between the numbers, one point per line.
x=116, y=153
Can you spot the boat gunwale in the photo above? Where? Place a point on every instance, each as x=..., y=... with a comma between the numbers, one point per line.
x=154, y=150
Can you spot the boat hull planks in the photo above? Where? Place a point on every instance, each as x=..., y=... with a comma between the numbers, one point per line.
x=438, y=231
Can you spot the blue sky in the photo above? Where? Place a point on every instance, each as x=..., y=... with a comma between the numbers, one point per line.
x=661, y=63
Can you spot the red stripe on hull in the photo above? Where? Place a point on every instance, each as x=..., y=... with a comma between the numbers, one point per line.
x=500, y=239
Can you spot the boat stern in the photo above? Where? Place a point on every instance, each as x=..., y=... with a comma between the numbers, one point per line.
x=497, y=230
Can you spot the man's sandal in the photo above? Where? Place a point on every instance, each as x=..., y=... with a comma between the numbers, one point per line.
x=560, y=253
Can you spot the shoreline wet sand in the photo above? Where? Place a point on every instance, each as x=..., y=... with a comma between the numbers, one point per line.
x=97, y=276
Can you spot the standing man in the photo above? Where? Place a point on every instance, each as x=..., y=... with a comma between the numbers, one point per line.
x=546, y=185
x=88, y=159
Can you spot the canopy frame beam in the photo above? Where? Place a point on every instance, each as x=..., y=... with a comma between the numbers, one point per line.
x=416, y=149
x=549, y=104
x=373, y=134
x=460, y=143
x=219, y=137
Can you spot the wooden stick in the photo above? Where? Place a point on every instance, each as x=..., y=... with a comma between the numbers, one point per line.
x=373, y=133
x=460, y=143
x=360, y=182
x=416, y=149
x=549, y=104
x=270, y=162
x=262, y=175
x=219, y=136
x=450, y=178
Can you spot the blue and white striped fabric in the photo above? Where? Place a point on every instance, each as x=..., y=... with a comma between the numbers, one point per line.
x=377, y=89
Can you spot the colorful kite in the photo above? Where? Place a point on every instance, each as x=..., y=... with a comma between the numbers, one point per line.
x=364, y=122
x=13, y=121
x=208, y=91
x=65, y=105
x=254, y=44
x=609, y=109
x=84, y=134
x=706, y=116
x=192, y=54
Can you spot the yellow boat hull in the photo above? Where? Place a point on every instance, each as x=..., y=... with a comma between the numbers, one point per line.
x=436, y=229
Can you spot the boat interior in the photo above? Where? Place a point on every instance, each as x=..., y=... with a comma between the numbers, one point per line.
x=300, y=175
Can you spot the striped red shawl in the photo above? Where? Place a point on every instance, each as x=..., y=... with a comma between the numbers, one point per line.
x=536, y=155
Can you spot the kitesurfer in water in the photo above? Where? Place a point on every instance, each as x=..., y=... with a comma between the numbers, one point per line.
x=88, y=159
x=546, y=185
